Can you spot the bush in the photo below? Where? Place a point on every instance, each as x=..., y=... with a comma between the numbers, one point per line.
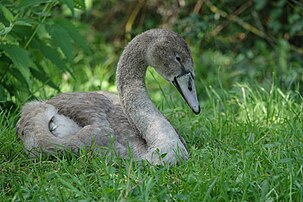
x=36, y=46
x=43, y=52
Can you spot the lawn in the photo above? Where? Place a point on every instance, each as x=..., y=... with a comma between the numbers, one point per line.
x=246, y=145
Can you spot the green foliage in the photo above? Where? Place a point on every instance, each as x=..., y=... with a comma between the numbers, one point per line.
x=237, y=43
x=232, y=41
x=33, y=42
x=43, y=51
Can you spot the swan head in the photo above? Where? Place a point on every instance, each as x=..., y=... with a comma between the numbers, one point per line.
x=170, y=56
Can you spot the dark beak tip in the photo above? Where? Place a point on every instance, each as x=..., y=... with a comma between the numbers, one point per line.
x=198, y=111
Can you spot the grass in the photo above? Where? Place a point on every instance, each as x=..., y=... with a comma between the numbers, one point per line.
x=246, y=145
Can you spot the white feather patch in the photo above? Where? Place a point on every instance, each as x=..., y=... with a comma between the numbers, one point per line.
x=62, y=126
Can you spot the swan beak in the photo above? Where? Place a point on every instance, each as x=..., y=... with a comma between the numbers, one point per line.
x=186, y=87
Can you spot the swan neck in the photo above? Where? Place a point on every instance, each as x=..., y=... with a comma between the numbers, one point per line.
x=136, y=103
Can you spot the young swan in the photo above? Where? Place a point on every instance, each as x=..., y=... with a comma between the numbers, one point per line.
x=131, y=120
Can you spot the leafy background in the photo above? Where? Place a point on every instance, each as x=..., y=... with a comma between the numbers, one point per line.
x=48, y=46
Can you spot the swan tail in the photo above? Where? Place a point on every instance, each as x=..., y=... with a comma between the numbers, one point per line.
x=40, y=128
x=35, y=117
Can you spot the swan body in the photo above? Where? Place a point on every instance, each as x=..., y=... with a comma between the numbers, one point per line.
x=129, y=121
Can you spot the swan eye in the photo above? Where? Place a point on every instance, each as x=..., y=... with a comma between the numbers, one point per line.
x=178, y=58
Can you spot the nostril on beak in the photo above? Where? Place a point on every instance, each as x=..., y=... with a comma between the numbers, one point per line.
x=190, y=88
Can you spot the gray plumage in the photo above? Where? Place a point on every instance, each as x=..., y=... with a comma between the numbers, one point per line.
x=76, y=120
